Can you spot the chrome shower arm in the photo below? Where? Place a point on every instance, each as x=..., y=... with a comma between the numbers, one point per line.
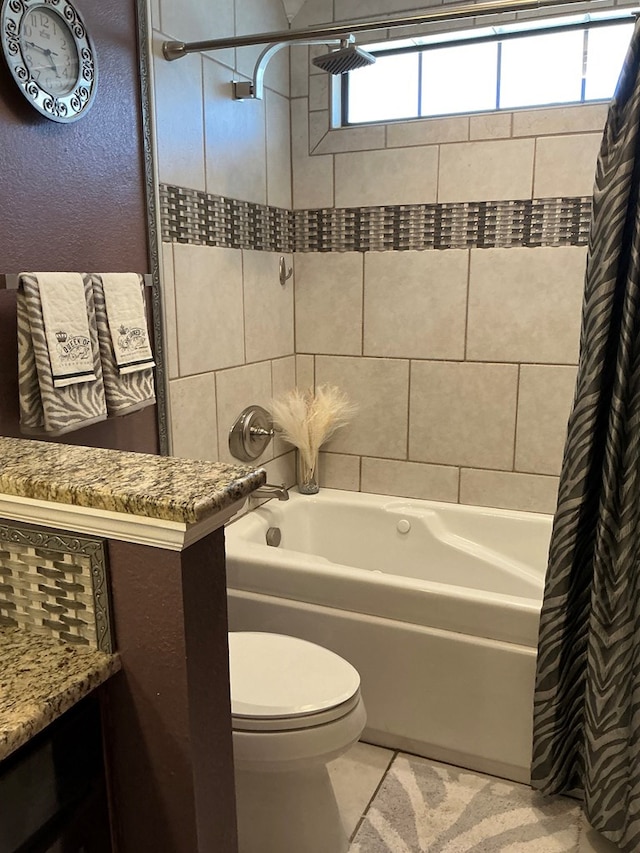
x=244, y=89
x=176, y=49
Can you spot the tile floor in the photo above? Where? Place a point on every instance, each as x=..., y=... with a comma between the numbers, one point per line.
x=357, y=775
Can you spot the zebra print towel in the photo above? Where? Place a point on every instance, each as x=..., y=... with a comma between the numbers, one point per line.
x=125, y=392
x=43, y=408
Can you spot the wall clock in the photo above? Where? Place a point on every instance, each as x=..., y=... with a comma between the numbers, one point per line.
x=50, y=55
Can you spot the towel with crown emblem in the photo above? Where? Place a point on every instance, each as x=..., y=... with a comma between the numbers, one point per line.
x=125, y=350
x=124, y=305
x=59, y=370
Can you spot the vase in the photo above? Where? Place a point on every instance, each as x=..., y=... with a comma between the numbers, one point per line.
x=308, y=475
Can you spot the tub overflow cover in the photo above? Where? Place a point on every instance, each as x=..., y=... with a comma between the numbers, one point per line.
x=404, y=525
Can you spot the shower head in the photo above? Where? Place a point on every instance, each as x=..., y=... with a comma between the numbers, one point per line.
x=346, y=58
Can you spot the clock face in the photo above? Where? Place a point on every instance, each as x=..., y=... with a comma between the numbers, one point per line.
x=50, y=55
x=49, y=50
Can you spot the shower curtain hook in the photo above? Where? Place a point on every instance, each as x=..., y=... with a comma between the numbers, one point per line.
x=285, y=274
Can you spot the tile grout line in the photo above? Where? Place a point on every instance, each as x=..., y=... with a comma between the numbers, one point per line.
x=363, y=816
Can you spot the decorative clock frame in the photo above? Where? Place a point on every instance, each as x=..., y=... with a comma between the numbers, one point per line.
x=71, y=105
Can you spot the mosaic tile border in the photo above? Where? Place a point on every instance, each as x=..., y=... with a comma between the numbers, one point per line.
x=191, y=216
x=55, y=583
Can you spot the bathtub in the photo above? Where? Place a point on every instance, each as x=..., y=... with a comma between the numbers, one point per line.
x=436, y=605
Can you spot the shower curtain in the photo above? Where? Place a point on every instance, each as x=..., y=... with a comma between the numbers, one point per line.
x=587, y=699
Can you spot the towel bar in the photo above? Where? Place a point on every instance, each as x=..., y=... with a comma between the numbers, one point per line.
x=9, y=281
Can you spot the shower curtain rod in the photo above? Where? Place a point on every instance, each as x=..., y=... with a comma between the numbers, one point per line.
x=176, y=49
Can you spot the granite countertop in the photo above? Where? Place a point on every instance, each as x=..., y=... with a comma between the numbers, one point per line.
x=40, y=679
x=184, y=490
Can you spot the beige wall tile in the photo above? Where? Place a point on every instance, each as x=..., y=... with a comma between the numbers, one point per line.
x=305, y=372
x=482, y=171
x=463, y=414
x=505, y=490
x=415, y=303
x=208, y=282
x=490, y=126
x=179, y=126
x=194, y=431
x=329, y=302
x=319, y=92
x=561, y=119
x=318, y=127
x=278, y=150
x=403, y=176
x=277, y=77
x=544, y=401
x=525, y=304
x=312, y=176
x=236, y=389
x=283, y=379
x=299, y=58
x=196, y=20
x=282, y=469
x=169, y=309
x=235, y=138
x=379, y=387
x=308, y=12
x=428, y=131
x=339, y=471
x=566, y=165
x=351, y=10
x=409, y=479
x=283, y=375
x=351, y=139
x=268, y=307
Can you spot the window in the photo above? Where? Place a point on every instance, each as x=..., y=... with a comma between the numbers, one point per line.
x=503, y=68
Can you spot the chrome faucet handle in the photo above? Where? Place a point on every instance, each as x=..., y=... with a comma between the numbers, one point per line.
x=261, y=431
x=251, y=433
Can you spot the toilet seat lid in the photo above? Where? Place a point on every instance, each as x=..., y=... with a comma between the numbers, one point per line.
x=273, y=675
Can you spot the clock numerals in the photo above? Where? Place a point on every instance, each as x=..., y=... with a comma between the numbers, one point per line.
x=52, y=50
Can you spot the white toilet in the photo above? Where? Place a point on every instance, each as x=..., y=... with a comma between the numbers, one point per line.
x=295, y=706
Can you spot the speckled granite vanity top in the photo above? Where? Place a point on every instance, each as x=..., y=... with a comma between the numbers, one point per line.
x=40, y=679
x=185, y=490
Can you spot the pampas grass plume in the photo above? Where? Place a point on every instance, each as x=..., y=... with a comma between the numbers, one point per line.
x=307, y=420
x=289, y=415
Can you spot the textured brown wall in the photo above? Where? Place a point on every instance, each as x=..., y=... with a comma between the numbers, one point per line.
x=72, y=197
x=167, y=713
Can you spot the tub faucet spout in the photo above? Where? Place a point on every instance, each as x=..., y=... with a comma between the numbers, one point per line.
x=270, y=491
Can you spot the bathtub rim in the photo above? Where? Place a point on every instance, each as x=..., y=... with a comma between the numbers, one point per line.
x=282, y=573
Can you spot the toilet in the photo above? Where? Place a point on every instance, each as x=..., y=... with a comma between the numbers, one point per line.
x=295, y=706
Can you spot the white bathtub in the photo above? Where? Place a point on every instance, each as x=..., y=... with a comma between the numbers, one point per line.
x=440, y=620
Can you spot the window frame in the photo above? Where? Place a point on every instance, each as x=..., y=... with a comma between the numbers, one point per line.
x=586, y=26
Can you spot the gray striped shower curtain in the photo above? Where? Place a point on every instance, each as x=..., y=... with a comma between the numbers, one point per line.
x=587, y=699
